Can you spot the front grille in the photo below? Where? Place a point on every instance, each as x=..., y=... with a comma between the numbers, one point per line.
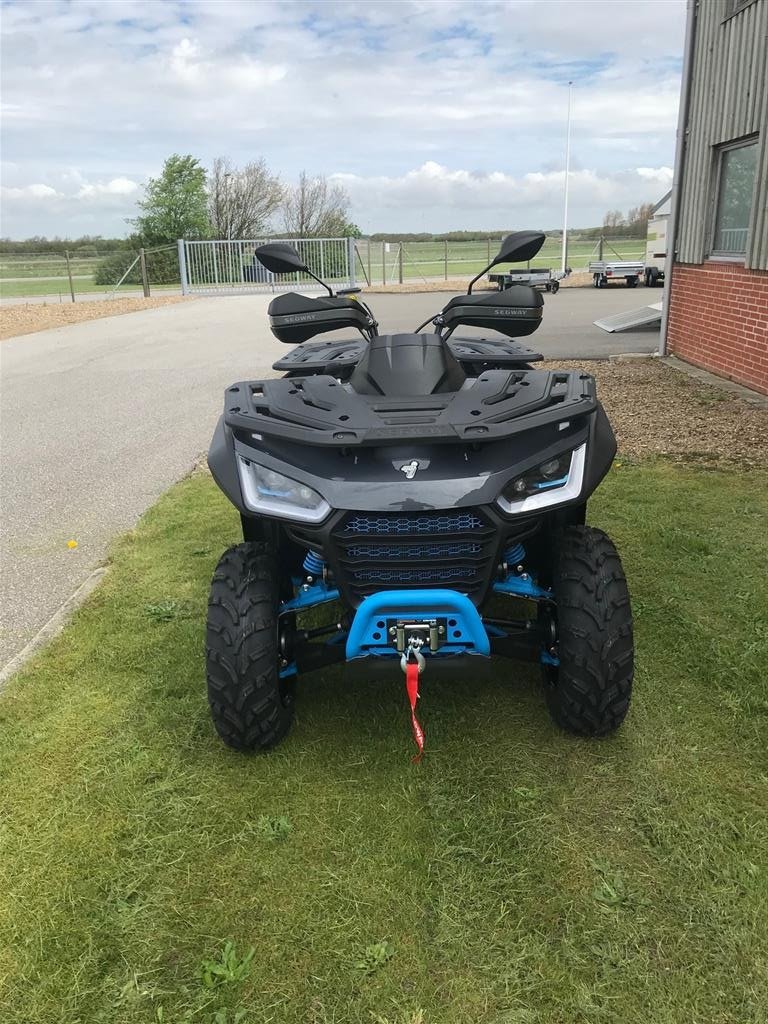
x=435, y=522
x=457, y=550
x=394, y=550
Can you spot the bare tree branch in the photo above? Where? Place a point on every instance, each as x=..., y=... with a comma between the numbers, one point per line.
x=241, y=202
x=315, y=209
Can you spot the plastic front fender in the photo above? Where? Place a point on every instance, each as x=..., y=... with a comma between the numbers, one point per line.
x=601, y=451
x=221, y=462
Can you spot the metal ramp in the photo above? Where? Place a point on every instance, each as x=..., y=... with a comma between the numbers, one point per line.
x=632, y=318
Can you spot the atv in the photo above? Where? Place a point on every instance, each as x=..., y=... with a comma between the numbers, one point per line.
x=409, y=490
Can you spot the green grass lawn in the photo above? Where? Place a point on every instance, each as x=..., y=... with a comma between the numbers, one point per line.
x=517, y=876
x=60, y=287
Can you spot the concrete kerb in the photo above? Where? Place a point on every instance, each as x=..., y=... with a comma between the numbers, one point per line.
x=723, y=383
x=53, y=626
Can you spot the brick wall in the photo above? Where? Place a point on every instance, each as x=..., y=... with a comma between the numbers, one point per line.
x=718, y=319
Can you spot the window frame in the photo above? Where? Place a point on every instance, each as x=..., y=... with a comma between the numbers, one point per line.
x=719, y=151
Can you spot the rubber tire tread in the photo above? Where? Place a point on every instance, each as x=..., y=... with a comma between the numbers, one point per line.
x=250, y=707
x=590, y=692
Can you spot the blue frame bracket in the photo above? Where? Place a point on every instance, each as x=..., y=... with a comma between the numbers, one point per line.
x=308, y=596
x=522, y=586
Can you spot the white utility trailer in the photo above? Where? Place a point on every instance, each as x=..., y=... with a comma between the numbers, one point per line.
x=656, y=242
x=547, y=279
x=605, y=271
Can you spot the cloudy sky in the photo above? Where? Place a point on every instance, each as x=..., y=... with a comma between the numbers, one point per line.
x=433, y=115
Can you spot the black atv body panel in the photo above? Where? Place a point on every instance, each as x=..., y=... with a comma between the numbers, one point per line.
x=340, y=357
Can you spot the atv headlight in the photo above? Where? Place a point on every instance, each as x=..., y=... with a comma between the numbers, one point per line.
x=265, y=490
x=552, y=482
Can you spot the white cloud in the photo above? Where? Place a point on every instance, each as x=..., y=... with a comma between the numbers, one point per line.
x=37, y=191
x=115, y=187
x=183, y=62
x=496, y=199
x=372, y=91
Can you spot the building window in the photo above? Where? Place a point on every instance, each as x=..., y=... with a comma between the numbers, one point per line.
x=736, y=167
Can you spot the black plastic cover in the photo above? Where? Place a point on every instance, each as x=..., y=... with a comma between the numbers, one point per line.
x=407, y=365
x=337, y=357
x=515, y=312
x=294, y=318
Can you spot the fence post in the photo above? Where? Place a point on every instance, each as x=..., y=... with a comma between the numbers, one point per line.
x=400, y=263
x=368, y=249
x=183, y=267
x=446, y=259
x=144, y=278
x=383, y=263
x=69, y=275
x=351, y=261
x=488, y=240
x=600, y=254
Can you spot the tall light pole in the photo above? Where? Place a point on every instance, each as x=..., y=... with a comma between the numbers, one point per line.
x=567, y=174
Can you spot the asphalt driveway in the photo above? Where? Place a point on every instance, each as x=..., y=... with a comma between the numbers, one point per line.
x=99, y=418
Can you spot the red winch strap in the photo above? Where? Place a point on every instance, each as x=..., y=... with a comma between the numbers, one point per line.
x=412, y=686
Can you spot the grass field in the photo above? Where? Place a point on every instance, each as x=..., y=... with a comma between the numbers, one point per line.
x=60, y=288
x=427, y=259
x=518, y=876
x=47, y=275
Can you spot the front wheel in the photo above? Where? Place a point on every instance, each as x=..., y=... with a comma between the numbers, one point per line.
x=251, y=707
x=554, y=287
x=589, y=692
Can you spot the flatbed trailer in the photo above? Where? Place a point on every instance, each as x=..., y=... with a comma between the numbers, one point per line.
x=605, y=271
x=545, y=278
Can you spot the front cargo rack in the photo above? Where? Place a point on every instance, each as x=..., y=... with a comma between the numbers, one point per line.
x=321, y=410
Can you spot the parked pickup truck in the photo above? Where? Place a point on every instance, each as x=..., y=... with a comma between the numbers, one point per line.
x=604, y=271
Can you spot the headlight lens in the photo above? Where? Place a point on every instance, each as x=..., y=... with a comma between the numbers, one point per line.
x=265, y=490
x=550, y=483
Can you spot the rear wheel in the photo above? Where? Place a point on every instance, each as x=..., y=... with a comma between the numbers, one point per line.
x=631, y=282
x=251, y=707
x=589, y=692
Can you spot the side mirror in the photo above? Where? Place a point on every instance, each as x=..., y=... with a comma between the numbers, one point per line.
x=519, y=247
x=515, y=248
x=280, y=258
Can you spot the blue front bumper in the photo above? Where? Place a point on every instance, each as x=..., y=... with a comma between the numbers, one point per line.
x=464, y=629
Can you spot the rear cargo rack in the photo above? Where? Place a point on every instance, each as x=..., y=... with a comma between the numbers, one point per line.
x=329, y=356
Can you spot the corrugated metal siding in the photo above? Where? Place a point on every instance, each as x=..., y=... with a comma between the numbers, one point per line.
x=729, y=99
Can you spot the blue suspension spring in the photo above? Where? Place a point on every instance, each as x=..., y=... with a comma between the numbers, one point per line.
x=314, y=564
x=514, y=555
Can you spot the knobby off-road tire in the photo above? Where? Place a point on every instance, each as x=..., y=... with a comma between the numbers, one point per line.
x=250, y=706
x=590, y=691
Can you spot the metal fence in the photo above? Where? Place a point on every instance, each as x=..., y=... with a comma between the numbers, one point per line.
x=432, y=260
x=230, y=267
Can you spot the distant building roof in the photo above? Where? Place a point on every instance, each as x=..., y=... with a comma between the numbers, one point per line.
x=664, y=202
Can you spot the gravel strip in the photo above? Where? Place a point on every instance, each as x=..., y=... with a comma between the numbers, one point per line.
x=16, y=320
x=658, y=410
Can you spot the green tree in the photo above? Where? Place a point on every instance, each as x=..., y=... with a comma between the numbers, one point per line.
x=175, y=204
